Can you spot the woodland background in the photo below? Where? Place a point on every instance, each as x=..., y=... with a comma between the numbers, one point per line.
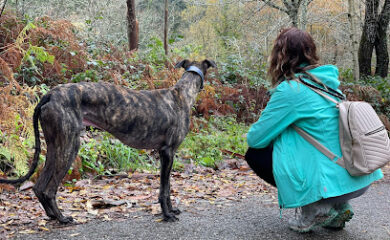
x=137, y=43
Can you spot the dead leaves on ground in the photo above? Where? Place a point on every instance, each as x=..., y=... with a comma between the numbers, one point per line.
x=118, y=197
x=386, y=173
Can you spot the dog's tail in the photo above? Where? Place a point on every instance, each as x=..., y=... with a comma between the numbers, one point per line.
x=37, y=111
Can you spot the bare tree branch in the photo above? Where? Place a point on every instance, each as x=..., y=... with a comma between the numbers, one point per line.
x=288, y=4
x=273, y=5
x=166, y=27
x=4, y=2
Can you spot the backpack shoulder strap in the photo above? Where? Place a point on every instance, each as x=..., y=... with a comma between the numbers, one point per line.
x=321, y=91
x=322, y=94
x=320, y=147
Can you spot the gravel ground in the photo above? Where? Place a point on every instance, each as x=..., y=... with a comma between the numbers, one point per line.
x=252, y=218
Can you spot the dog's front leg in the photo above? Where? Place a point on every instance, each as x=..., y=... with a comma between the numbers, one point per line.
x=166, y=159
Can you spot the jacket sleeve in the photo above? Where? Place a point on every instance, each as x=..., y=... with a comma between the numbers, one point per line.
x=279, y=113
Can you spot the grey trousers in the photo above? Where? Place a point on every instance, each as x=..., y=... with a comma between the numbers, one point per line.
x=344, y=198
x=323, y=206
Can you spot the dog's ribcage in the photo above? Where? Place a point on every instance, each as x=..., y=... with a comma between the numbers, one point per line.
x=140, y=119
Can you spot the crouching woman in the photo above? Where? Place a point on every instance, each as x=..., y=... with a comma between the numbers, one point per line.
x=305, y=178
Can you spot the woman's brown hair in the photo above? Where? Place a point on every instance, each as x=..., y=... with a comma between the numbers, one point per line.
x=291, y=48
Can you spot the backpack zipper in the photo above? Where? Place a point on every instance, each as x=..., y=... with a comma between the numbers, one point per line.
x=375, y=131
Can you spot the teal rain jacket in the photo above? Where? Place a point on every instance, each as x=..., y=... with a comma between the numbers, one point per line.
x=304, y=175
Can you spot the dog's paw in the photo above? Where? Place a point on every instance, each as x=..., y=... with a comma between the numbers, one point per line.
x=175, y=211
x=170, y=218
x=65, y=220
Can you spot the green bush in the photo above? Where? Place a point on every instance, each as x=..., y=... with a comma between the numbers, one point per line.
x=383, y=86
x=236, y=70
x=107, y=153
x=14, y=149
x=87, y=76
x=155, y=53
x=205, y=147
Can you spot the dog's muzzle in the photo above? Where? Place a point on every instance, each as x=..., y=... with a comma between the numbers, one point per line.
x=197, y=71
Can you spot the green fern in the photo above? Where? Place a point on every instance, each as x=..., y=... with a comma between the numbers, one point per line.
x=39, y=53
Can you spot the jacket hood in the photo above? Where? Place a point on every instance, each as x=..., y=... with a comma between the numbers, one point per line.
x=328, y=74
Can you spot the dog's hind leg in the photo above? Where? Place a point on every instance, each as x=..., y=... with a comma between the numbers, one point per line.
x=166, y=159
x=62, y=134
x=43, y=180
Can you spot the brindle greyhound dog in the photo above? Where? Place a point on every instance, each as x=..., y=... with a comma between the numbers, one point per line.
x=157, y=119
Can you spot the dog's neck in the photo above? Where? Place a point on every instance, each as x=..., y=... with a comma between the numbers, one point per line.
x=189, y=86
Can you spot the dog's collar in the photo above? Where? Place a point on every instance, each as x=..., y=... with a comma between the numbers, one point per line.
x=198, y=71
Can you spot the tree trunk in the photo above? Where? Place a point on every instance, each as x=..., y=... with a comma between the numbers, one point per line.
x=23, y=8
x=365, y=55
x=336, y=52
x=381, y=48
x=353, y=36
x=374, y=36
x=293, y=14
x=368, y=37
x=166, y=28
x=132, y=25
x=303, y=15
x=382, y=56
x=295, y=9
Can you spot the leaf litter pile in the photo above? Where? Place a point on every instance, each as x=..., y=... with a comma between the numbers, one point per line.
x=130, y=195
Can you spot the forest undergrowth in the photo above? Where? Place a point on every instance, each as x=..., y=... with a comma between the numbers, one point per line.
x=37, y=55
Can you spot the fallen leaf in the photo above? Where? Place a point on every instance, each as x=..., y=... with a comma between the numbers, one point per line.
x=139, y=197
x=226, y=192
x=80, y=220
x=7, y=187
x=73, y=188
x=90, y=208
x=25, y=186
x=27, y=198
x=28, y=231
x=245, y=168
x=107, y=218
x=82, y=183
x=42, y=223
x=155, y=209
x=44, y=229
x=105, y=203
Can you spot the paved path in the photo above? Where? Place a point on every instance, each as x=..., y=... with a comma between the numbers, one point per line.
x=253, y=218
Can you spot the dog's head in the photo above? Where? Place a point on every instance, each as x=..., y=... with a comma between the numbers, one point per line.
x=198, y=67
x=203, y=66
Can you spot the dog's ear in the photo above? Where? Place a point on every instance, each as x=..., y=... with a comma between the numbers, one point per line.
x=208, y=63
x=184, y=64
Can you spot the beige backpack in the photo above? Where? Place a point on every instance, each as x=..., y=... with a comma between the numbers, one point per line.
x=364, y=140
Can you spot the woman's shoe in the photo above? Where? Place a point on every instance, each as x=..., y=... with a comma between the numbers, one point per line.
x=345, y=213
x=309, y=219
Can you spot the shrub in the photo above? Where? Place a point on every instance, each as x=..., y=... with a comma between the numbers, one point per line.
x=107, y=154
x=375, y=90
x=205, y=145
x=16, y=130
